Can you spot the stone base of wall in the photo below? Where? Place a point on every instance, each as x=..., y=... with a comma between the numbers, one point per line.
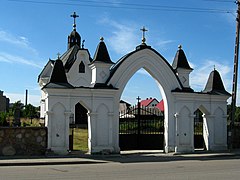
x=23, y=141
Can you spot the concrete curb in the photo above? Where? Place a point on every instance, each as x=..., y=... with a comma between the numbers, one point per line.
x=39, y=163
x=123, y=158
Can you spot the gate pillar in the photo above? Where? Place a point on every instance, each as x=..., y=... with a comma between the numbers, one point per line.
x=91, y=131
x=208, y=130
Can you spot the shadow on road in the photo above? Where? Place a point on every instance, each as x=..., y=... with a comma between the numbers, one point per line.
x=136, y=157
x=144, y=158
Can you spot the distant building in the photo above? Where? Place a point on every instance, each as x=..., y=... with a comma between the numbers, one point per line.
x=4, y=102
x=154, y=103
x=124, y=106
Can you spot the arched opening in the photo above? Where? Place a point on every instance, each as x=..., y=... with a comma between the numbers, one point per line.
x=81, y=118
x=141, y=121
x=162, y=72
x=79, y=129
x=198, y=130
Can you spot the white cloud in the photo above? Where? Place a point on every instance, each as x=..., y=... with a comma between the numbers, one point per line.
x=124, y=37
x=199, y=76
x=5, y=57
x=163, y=44
x=19, y=41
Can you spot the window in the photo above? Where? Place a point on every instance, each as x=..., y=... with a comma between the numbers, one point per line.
x=81, y=67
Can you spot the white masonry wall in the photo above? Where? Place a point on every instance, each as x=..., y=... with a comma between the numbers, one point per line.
x=103, y=106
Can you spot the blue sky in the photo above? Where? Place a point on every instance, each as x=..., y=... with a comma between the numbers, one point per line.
x=33, y=31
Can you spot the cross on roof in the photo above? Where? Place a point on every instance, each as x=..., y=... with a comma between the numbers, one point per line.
x=144, y=30
x=74, y=16
x=138, y=98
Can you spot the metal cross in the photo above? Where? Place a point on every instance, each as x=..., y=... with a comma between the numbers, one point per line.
x=74, y=15
x=138, y=98
x=144, y=30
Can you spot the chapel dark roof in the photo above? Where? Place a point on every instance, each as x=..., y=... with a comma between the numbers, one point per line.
x=49, y=62
x=69, y=57
x=101, y=54
x=58, y=77
x=58, y=73
x=180, y=60
x=215, y=85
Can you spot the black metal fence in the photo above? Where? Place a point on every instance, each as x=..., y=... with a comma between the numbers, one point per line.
x=198, y=135
x=141, y=128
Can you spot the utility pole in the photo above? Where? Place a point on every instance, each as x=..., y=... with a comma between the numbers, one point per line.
x=235, y=75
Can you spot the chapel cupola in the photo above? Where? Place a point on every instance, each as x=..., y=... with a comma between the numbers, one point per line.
x=181, y=67
x=101, y=64
x=74, y=38
x=215, y=84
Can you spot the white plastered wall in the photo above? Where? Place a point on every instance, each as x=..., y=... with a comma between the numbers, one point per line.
x=103, y=106
x=214, y=112
x=60, y=106
x=77, y=79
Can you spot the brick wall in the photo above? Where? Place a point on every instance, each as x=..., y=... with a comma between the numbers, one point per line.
x=23, y=141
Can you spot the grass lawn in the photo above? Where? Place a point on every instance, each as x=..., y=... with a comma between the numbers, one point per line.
x=80, y=139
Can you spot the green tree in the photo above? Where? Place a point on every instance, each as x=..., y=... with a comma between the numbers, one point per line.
x=237, y=113
x=3, y=119
x=30, y=111
x=17, y=105
x=17, y=110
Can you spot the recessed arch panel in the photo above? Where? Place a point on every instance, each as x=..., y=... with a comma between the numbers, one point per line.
x=58, y=133
x=103, y=125
x=185, y=128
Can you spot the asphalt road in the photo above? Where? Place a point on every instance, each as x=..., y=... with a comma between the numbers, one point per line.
x=204, y=169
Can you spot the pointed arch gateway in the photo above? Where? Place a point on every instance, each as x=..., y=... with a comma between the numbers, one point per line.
x=161, y=71
x=102, y=85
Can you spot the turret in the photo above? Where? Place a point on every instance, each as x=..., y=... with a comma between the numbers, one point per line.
x=215, y=84
x=101, y=64
x=181, y=67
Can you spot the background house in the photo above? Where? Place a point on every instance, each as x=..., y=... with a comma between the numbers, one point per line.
x=153, y=103
x=4, y=102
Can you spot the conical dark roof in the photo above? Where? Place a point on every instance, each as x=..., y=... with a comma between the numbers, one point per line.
x=101, y=54
x=58, y=73
x=180, y=60
x=214, y=84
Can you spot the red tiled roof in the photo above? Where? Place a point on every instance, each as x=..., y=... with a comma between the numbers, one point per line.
x=146, y=102
x=160, y=106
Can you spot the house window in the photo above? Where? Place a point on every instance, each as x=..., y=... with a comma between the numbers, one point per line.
x=81, y=67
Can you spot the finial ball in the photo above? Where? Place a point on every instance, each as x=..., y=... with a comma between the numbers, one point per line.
x=180, y=46
x=101, y=39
